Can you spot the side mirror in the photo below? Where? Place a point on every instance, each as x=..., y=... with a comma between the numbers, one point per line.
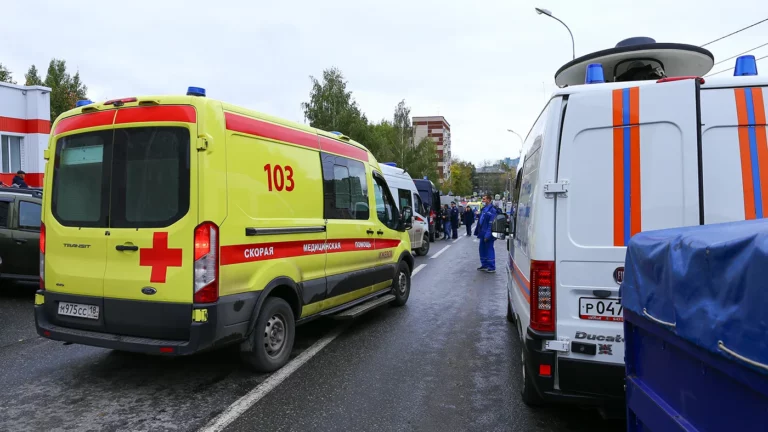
x=500, y=226
x=406, y=218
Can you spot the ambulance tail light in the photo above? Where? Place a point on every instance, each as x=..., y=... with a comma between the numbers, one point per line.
x=42, y=256
x=206, y=263
x=543, y=296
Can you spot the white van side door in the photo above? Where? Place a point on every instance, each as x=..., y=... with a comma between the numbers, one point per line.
x=630, y=160
x=734, y=153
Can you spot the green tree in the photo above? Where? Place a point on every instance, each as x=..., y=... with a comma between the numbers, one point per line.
x=422, y=160
x=331, y=107
x=5, y=75
x=461, y=177
x=66, y=90
x=32, y=77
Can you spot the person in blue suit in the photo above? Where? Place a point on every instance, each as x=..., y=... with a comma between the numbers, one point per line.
x=484, y=234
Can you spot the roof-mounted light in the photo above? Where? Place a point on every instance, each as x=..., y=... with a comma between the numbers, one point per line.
x=594, y=74
x=196, y=91
x=392, y=164
x=83, y=102
x=745, y=66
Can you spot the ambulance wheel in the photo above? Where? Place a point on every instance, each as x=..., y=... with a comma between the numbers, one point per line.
x=402, y=284
x=424, y=249
x=510, y=314
x=528, y=391
x=271, y=341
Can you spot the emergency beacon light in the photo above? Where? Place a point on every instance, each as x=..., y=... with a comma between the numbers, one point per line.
x=745, y=66
x=196, y=91
x=594, y=74
x=83, y=102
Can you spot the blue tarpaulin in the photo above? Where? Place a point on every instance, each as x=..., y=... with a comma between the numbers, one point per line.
x=710, y=281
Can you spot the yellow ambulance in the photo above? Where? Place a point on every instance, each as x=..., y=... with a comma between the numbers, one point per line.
x=176, y=224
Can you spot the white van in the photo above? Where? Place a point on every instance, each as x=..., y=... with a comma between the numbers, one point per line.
x=405, y=193
x=603, y=162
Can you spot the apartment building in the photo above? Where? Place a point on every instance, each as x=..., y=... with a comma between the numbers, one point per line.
x=437, y=128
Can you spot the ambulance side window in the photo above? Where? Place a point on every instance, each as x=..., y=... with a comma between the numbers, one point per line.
x=405, y=198
x=345, y=188
x=385, y=204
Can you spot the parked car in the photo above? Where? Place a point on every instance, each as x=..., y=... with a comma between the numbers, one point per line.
x=20, y=234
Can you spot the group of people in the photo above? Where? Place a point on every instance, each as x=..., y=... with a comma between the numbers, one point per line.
x=449, y=216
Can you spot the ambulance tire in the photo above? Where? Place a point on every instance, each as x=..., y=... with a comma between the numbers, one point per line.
x=424, y=249
x=272, y=338
x=528, y=391
x=401, y=285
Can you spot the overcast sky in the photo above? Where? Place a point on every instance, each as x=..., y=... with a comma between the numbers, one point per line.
x=486, y=65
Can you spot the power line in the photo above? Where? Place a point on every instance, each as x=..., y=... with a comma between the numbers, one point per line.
x=737, y=31
x=726, y=70
x=737, y=55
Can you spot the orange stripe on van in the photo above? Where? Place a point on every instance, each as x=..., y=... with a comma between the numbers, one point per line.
x=618, y=169
x=82, y=121
x=762, y=144
x=746, y=163
x=523, y=284
x=634, y=157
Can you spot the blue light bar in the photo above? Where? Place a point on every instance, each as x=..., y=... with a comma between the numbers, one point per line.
x=594, y=74
x=745, y=66
x=83, y=102
x=337, y=133
x=392, y=164
x=196, y=91
x=426, y=178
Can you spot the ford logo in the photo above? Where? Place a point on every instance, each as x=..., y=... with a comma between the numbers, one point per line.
x=148, y=290
x=618, y=275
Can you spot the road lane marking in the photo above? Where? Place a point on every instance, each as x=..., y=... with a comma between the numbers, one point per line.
x=441, y=251
x=458, y=239
x=417, y=269
x=246, y=402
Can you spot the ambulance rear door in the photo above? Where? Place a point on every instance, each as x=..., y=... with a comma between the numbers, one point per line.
x=628, y=162
x=734, y=151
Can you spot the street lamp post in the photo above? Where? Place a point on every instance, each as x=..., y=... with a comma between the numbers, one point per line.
x=522, y=141
x=546, y=12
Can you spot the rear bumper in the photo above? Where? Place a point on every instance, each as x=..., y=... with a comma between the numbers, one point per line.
x=147, y=327
x=581, y=382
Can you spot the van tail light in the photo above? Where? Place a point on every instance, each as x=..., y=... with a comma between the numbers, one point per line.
x=543, y=296
x=42, y=256
x=206, y=263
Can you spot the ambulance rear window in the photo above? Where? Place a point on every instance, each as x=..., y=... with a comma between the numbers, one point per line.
x=122, y=178
x=79, y=179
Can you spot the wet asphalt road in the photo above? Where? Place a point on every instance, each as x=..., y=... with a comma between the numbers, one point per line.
x=447, y=361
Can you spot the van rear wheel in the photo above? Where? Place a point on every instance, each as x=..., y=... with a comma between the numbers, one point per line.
x=528, y=392
x=271, y=341
x=401, y=285
x=424, y=249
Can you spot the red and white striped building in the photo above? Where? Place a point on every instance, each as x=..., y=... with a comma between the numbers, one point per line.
x=437, y=128
x=25, y=123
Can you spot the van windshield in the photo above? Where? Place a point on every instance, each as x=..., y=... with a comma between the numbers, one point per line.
x=122, y=178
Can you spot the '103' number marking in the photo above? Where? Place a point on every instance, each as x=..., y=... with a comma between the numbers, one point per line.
x=279, y=177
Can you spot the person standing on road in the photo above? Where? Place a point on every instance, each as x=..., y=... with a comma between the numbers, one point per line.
x=484, y=234
x=454, y=220
x=469, y=219
x=447, y=222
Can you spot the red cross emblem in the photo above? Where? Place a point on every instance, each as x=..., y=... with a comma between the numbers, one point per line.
x=159, y=257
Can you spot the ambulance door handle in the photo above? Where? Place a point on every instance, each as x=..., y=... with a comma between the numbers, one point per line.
x=122, y=248
x=370, y=231
x=380, y=232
